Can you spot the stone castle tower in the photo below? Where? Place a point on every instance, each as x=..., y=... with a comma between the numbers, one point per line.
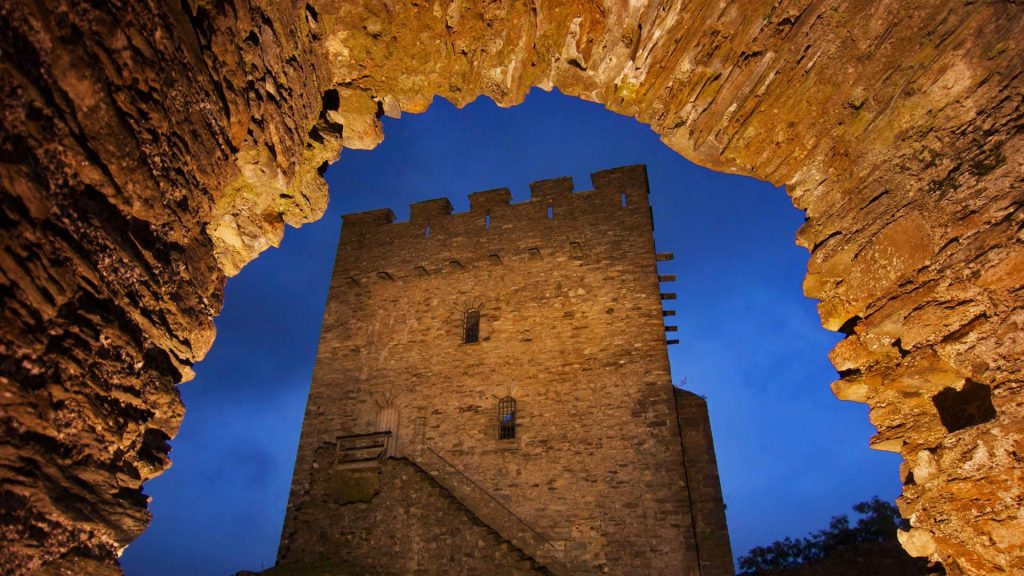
x=492, y=396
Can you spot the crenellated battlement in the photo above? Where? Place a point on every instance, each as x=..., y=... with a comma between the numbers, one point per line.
x=427, y=210
x=369, y=218
x=610, y=184
x=557, y=221
x=489, y=199
x=551, y=189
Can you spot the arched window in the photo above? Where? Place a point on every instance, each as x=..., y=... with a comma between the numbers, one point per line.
x=471, y=331
x=507, y=418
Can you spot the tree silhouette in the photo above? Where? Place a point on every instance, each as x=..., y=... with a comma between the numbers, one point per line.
x=879, y=522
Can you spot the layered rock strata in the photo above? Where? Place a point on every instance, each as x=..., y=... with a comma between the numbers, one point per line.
x=151, y=149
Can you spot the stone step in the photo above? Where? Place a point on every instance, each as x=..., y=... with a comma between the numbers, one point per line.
x=490, y=510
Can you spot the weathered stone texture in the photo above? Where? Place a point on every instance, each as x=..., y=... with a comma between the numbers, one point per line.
x=148, y=149
x=705, y=489
x=409, y=524
x=134, y=148
x=571, y=327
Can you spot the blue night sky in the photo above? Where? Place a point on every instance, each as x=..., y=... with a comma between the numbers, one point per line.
x=789, y=453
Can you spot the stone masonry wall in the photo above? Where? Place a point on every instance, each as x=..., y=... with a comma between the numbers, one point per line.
x=571, y=326
x=710, y=530
x=407, y=525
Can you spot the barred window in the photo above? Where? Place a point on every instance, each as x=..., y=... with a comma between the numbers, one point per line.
x=471, y=332
x=507, y=418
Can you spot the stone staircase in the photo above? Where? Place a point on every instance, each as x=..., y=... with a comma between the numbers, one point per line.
x=489, y=509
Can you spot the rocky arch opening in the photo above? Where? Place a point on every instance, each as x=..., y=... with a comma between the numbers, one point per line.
x=895, y=127
x=732, y=237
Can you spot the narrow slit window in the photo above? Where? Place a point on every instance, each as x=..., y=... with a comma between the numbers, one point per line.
x=625, y=201
x=551, y=212
x=427, y=231
x=487, y=221
x=507, y=418
x=471, y=333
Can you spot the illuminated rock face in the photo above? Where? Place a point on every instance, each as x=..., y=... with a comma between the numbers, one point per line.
x=149, y=152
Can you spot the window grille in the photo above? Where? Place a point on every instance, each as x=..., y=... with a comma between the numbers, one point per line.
x=507, y=418
x=471, y=334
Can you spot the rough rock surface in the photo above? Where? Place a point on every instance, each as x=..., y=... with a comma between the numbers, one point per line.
x=149, y=149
